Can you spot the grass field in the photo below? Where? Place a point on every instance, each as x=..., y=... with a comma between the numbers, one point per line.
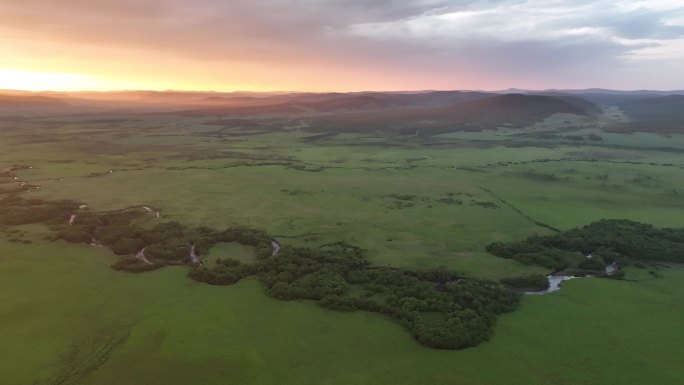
x=63, y=307
x=67, y=318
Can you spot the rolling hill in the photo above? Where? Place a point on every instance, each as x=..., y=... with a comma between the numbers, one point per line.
x=511, y=110
x=670, y=107
x=323, y=103
x=431, y=98
x=276, y=106
x=655, y=114
x=14, y=101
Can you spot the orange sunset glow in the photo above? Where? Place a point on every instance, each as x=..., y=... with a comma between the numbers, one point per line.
x=337, y=45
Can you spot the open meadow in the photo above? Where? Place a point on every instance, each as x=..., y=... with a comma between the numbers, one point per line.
x=68, y=318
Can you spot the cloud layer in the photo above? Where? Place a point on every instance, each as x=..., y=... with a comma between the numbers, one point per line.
x=352, y=44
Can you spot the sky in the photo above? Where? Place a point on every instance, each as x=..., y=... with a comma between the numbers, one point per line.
x=340, y=45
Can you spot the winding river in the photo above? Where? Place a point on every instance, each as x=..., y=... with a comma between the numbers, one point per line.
x=556, y=280
x=554, y=284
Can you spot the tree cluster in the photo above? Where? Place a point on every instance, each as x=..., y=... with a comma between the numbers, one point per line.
x=440, y=308
x=15, y=210
x=606, y=241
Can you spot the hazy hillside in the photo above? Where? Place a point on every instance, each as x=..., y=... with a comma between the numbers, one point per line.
x=30, y=101
x=599, y=96
x=276, y=106
x=307, y=97
x=396, y=99
x=431, y=98
x=659, y=108
x=412, y=113
x=658, y=114
x=287, y=108
x=513, y=110
x=582, y=102
x=350, y=103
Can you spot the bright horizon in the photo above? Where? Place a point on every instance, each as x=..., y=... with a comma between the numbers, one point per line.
x=345, y=46
x=28, y=81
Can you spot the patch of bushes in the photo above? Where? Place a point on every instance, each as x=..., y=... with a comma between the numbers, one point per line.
x=74, y=234
x=133, y=265
x=170, y=249
x=15, y=210
x=606, y=240
x=125, y=246
x=536, y=282
x=486, y=205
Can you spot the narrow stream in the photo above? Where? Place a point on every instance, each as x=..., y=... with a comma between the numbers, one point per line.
x=141, y=256
x=556, y=280
x=275, y=247
x=554, y=284
x=194, y=258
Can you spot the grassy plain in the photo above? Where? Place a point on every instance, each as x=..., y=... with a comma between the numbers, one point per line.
x=67, y=318
x=63, y=308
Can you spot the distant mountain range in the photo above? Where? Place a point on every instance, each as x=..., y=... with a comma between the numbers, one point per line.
x=670, y=107
x=481, y=113
x=308, y=104
x=593, y=91
x=30, y=101
x=424, y=112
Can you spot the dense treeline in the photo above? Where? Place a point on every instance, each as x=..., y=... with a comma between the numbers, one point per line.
x=593, y=246
x=15, y=210
x=440, y=308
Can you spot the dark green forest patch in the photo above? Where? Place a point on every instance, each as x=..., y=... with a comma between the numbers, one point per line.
x=606, y=241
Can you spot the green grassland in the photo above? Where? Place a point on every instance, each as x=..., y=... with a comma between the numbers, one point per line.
x=410, y=202
x=67, y=318
x=233, y=250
